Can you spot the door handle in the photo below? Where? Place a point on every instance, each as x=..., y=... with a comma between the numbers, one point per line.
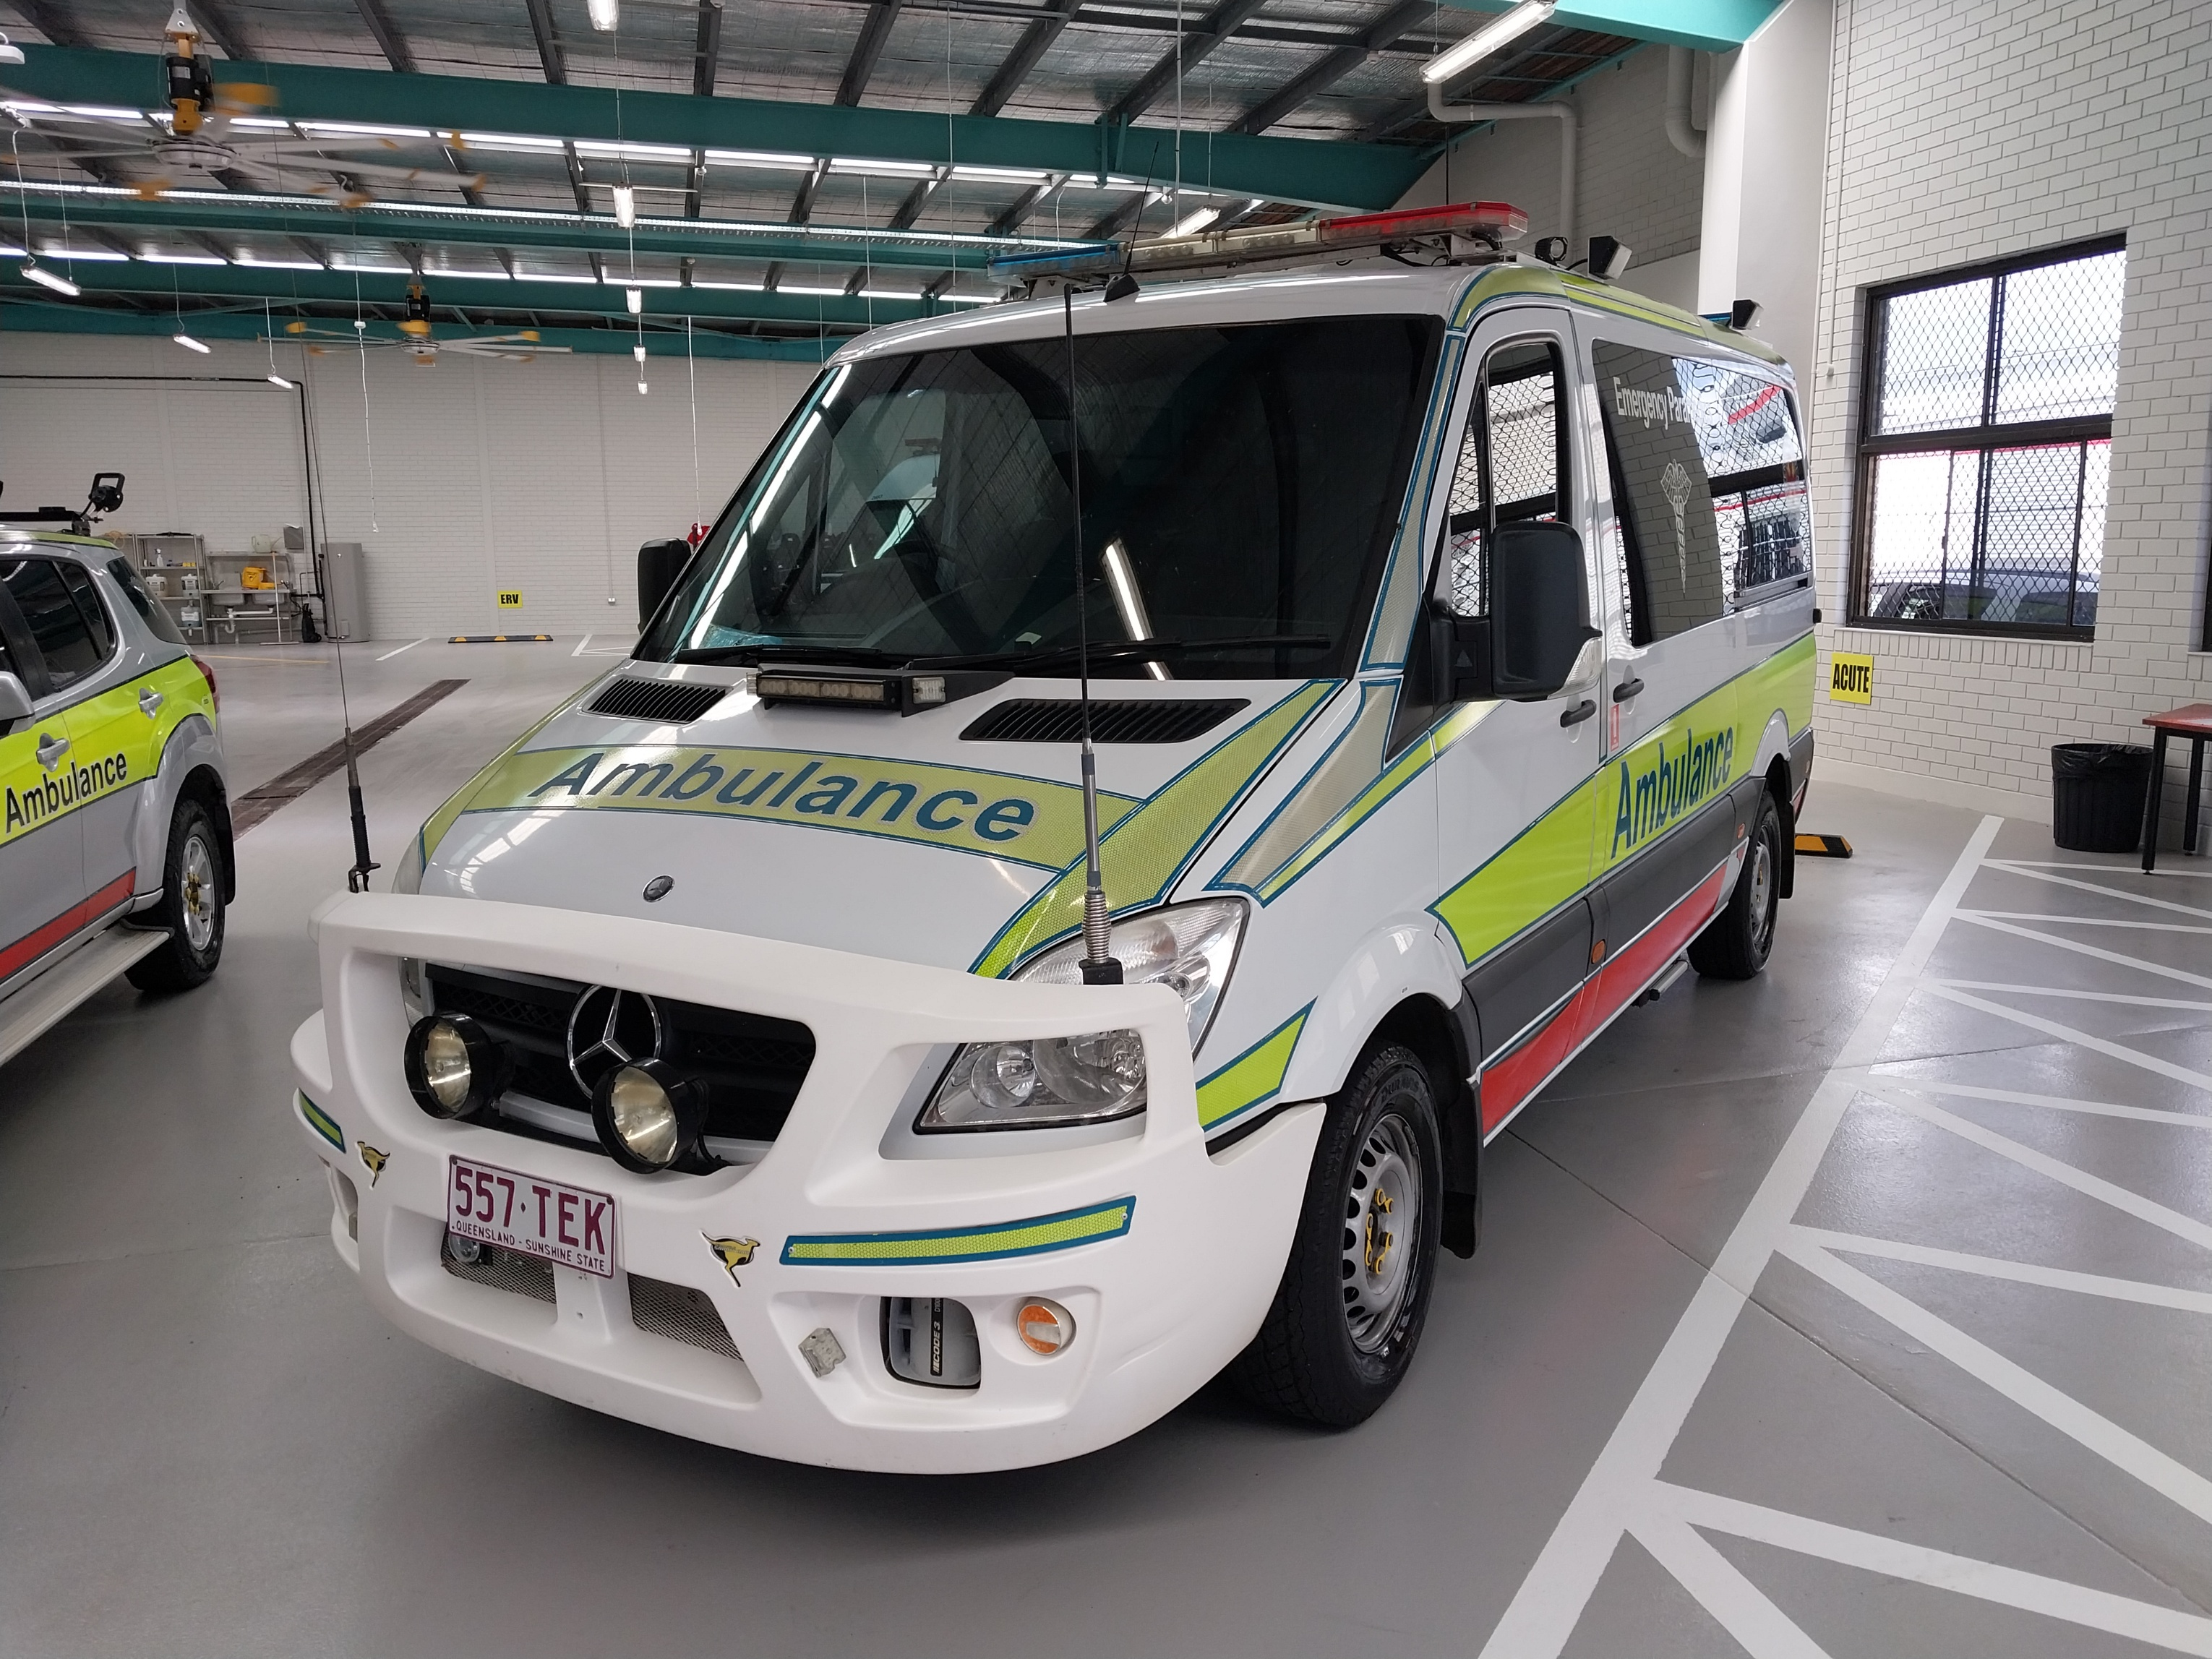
x=51, y=751
x=149, y=702
x=1581, y=712
x=1626, y=689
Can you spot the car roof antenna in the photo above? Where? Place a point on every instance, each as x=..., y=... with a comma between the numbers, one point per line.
x=1100, y=966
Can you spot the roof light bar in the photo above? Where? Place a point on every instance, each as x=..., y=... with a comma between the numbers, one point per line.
x=1492, y=223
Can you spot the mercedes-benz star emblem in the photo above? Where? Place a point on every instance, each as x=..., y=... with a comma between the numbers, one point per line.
x=609, y=1028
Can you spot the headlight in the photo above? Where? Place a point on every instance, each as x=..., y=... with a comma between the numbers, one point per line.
x=454, y=1067
x=648, y=1114
x=407, y=874
x=1044, y=1083
x=1191, y=947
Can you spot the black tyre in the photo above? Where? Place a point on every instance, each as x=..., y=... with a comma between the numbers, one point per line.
x=1737, y=942
x=1355, y=1292
x=191, y=905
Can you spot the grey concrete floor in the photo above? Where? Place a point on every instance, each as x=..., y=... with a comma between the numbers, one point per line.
x=1860, y=1310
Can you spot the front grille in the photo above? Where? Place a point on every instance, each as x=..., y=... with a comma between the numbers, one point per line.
x=680, y=1314
x=670, y=703
x=500, y=1270
x=752, y=1065
x=1060, y=719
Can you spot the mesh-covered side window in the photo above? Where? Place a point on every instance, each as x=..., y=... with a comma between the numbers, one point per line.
x=1511, y=463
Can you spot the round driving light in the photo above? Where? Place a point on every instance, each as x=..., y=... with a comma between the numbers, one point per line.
x=454, y=1066
x=648, y=1114
x=1044, y=1326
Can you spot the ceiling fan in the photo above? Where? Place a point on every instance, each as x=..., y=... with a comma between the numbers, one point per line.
x=522, y=347
x=199, y=140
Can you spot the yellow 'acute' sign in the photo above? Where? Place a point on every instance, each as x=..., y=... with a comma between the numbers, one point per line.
x=510, y=599
x=1850, y=679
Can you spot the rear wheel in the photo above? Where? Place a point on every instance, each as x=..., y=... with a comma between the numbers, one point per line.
x=1355, y=1293
x=191, y=906
x=1737, y=942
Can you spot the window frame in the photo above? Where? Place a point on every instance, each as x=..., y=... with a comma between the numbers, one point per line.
x=1987, y=438
x=1556, y=342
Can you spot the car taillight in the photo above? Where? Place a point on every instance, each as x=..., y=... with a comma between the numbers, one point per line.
x=214, y=696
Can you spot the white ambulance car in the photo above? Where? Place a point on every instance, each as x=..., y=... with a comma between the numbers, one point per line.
x=723, y=1059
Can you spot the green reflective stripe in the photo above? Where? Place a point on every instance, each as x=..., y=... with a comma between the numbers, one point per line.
x=320, y=1120
x=1144, y=854
x=1254, y=1078
x=998, y=815
x=1038, y=1234
x=1510, y=282
x=435, y=826
x=1532, y=875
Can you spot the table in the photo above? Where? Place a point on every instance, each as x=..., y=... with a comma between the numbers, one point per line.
x=2193, y=721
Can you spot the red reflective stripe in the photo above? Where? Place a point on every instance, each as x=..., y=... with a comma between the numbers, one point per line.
x=1507, y=1082
x=35, y=943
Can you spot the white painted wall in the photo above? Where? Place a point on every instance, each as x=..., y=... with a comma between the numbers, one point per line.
x=1630, y=182
x=1959, y=133
x=543, y=477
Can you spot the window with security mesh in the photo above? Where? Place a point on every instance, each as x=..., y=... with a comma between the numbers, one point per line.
x=1985, y=445
x=1512, y=459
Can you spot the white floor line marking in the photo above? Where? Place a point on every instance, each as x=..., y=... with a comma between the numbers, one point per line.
x=2057, y=1103
x=410, y=645
x=580, y=644
x=2078, y=996
x=2104, y=1192
x=2108, y=892
x=2031, y=1592
x=2165, y=1068
x=2109, y=869
x=2092, y=921
x=1737, y=1605
x=2018, y=1272
x=2165, y=1475
x=1550, y=1601
x=2079, y=949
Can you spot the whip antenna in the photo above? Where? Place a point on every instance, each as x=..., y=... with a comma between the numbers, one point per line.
x=1099, y=964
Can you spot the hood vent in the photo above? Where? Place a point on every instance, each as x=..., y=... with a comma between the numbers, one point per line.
x=1060, y=719
x=668, y=702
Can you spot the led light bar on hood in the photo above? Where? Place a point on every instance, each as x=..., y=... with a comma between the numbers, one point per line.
x=1490, y=223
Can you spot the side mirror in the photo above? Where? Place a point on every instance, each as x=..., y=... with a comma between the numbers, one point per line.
x=1527, y=647
x=14, y=700
x=658, y=564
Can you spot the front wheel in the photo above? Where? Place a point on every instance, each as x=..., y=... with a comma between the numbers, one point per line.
x=191, y=905
x=1737, y=942
x=1355, y=1293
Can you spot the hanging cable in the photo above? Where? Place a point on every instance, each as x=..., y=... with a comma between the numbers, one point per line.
x=691, y=367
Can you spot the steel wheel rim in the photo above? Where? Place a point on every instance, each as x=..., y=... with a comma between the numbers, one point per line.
x=1761, y=875
x=197, y=873
x=1382, y=1229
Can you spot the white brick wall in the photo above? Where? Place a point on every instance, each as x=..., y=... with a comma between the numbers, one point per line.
x=1959, y=130
x=542, y=476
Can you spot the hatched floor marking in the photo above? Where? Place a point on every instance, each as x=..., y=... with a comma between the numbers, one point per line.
x=1623, y=1495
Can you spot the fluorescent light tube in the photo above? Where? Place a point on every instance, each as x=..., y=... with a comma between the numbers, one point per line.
x=1196, y=222
x=604, y=15
x=52, y=279
x=625, y=206
x=280, y=382
x=1487, y=39
x=635, y=297
x=190, y=345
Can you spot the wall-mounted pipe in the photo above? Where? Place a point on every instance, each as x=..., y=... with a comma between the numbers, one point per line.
x=1564, y=113
x=1681, y=77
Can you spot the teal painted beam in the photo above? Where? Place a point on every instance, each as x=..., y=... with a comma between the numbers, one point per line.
x=1706, y=25
x=1310, y=172
x=474, y=295
x=220, y=212
x=36, y=317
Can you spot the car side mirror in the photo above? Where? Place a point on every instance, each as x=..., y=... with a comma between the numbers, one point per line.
x=14, y=700
x=658, y=564
x=1527, y=647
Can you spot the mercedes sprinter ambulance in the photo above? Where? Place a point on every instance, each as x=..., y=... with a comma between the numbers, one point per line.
x=725, y=1058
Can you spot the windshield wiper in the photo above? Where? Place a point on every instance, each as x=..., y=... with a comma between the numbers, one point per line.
x=1125, y=651
x=758, y=651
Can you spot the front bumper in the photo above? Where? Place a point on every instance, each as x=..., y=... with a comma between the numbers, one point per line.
x=1168, y=1265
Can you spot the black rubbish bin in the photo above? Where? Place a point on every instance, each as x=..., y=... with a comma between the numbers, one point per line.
x=2097, y=792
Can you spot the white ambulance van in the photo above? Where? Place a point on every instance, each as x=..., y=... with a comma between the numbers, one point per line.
x=725, y=1058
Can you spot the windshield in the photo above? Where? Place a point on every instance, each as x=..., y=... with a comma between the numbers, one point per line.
x=1239, y=484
